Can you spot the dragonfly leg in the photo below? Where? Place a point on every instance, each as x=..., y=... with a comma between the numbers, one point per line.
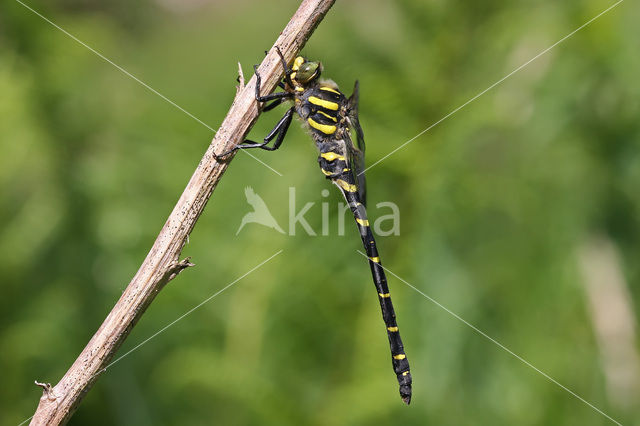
x=278, y=133
x=271, y=96
x=274, y=104
x=287, y=70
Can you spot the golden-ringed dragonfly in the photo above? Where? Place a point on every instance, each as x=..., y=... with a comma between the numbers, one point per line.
x=332, y=118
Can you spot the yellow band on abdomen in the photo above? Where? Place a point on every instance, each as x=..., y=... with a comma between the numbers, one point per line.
x=326, y=173
x=346, y=186
x=362, y=222
x=330, y=156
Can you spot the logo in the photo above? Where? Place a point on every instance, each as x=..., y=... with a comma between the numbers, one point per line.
x=260, y=213
x=384, y=225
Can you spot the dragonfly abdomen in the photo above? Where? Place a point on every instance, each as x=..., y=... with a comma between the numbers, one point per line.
x=398, y=357
x=333, y=159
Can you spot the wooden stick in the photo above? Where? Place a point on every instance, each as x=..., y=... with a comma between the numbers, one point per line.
x=161, y=264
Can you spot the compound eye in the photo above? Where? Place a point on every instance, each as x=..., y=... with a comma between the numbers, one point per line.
x=308, y=71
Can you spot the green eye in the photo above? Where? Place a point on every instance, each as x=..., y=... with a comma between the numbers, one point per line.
x=308, y=71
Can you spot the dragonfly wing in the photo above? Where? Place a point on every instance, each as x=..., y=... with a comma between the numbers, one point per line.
x=353, y=116
x=357, y=153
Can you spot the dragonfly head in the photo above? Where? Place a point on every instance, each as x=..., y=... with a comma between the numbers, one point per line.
x=305, y=71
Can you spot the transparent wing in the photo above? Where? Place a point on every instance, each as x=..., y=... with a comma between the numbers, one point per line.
x=356, y=154
x=353, y=116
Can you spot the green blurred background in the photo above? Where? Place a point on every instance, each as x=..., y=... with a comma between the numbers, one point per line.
x=520, y=213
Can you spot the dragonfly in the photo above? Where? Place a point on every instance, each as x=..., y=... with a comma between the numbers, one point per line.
x=333, y=122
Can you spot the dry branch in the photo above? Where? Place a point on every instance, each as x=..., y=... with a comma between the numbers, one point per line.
x=161, y=264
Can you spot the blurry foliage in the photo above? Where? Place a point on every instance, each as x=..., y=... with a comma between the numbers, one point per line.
x=495, y=201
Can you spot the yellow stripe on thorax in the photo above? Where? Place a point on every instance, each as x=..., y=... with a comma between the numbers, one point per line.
x=323, y=103
x=328, y=116
x=384, y=295
x=401, y=356
x=324, y=128
x=394, y=329
x=375, y=259
x=346, y=186
x=329, y=89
